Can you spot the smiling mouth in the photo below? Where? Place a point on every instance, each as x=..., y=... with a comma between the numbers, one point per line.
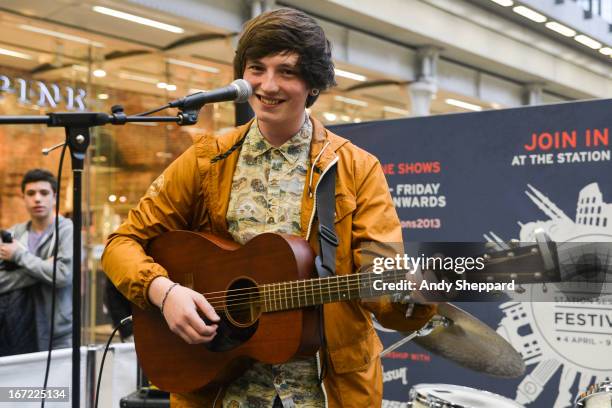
x=269, y=101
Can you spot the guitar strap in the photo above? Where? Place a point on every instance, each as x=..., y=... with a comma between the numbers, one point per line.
x=325, y=262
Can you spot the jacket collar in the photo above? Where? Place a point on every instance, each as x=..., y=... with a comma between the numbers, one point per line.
x=217, y=177
x=320, y=138
x=291, y=150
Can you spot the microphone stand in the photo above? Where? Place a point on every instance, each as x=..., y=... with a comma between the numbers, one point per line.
x=77, y=128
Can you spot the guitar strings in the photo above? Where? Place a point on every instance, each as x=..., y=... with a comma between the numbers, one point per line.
x=280, y=293
x=346, y=277
x=320, y=281
x=292, y=285
x=349, y=282
x=342, y=282
x=282, y=303
x=291, y=298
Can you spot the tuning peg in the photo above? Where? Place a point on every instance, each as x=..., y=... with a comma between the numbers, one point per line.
x=544, y=287
x=520, y=289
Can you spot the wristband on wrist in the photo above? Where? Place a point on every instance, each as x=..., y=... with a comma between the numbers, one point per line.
x=166, y=296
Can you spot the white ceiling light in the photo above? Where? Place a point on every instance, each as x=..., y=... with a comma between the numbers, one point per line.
x=171, y=87
x=162, y=85
x=140, y=78
x=63, y=36
x=561, y=29
x=350, y=75
x=351, y=101
x=504, y=3
x=99, y=73
x=330, y=116
x=606, y=51
x=192, y=65
x=103, y=96
x=588, y=41
x=137, y=19
x=397, y=111
x=16, y=54
x=530, y=14
x=464, y=105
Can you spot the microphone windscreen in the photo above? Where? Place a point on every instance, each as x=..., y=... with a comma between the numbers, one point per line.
x=244, y=90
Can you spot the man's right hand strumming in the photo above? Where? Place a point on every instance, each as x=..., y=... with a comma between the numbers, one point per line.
x=180, y=309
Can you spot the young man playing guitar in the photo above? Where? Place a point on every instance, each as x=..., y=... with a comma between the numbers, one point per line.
x=262, y=177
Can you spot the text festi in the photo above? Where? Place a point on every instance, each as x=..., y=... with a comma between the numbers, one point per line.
x=565, y=146
x=582, y=324
x=411, y=264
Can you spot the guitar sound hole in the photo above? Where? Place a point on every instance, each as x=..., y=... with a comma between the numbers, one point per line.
x=243, y=304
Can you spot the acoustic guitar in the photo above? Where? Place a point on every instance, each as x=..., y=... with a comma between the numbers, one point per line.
x=266, y=293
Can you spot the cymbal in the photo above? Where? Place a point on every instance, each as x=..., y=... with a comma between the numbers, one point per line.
x=472, y=344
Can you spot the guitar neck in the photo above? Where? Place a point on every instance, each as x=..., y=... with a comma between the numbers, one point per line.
x=523, y=265
x=312, y=292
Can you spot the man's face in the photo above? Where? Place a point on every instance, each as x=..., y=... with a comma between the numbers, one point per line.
x=39, y=199
x=279, y=92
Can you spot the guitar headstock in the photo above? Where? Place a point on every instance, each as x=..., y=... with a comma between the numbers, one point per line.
x=521, y=263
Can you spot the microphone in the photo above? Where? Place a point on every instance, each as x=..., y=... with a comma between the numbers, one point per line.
x=238, y=91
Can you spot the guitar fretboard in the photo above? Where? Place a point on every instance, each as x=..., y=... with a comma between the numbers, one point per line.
x=339, y=288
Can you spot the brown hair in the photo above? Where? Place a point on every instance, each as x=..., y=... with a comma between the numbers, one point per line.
x=288, y=30
x=35, y=175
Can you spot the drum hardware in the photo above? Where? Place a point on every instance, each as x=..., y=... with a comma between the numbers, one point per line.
x=596, y=396
x=458, y=336
x=435, y=321
x=456, y=396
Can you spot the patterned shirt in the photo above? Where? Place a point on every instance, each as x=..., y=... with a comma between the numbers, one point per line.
x=267, y=185
x=266, y=197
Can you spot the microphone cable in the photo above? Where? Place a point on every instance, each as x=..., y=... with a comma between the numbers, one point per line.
x=147, y=113
x=121, y=323
x=53, y=284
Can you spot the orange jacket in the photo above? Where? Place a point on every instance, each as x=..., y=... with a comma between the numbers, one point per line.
x=194, y=194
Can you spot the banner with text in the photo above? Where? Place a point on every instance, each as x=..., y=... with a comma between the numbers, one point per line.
x=496, y=176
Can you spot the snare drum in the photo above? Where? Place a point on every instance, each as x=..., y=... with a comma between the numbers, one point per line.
x=597, y=396
x=456, y=396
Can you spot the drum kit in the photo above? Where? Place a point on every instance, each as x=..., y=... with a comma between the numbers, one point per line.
x=597, y=396
x=460, y=337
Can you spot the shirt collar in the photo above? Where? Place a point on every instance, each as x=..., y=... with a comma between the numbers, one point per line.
x=257, y=144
